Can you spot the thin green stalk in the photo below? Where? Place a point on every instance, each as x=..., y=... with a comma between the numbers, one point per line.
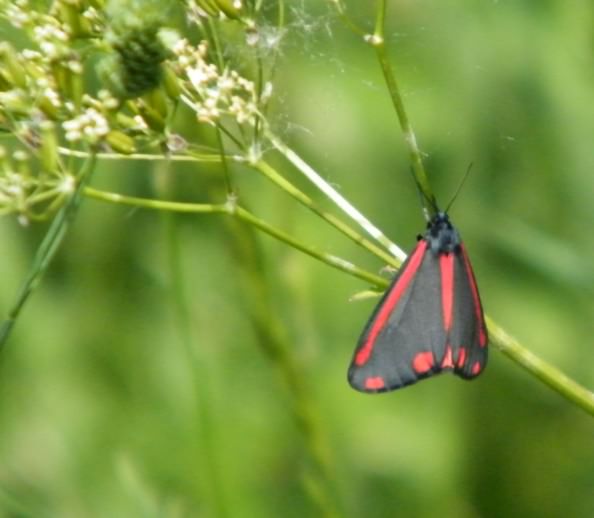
x=191, y=157
x=45, y=195
x=513, y=349
x=226, y=171
x=48, y=248
x=377, y=40
x=318, y=478
x=147, y=203
x=341, y=11
x=271, y=72
x=281, y=13
x=216, y=43
x=331, y=260
x=233, y=210
x=338, y=199
x=259, y=88
x=267, y=170
x=545, y=372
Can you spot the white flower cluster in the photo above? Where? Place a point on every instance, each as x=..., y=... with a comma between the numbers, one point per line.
x=52, y=39
x=34, y=90
x=11, y=188
x=16, y=12
x=50, y=35
x=29, y=196
x=215, y=93
x=33, y=72
x=90, y=125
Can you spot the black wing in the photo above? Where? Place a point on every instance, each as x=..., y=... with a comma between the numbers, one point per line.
x=430, y=319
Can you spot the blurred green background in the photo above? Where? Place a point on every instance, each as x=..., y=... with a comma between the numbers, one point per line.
x=103, y=412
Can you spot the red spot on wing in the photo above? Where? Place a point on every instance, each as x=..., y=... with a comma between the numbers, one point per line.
x=476, y=368
x=461, y=357
x=423, y=362
x=447, y=361
x=389, y=304
x=375, y=383
x=476, y=299
x=446, y=265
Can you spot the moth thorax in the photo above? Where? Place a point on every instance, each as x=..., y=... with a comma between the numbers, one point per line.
x=442, y=236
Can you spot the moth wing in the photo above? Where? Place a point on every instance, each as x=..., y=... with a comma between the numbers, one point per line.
x=403, y=340
x=468, y=336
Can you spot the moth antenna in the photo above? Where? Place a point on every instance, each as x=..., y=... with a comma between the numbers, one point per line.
x=425, y=200
x=459, y=188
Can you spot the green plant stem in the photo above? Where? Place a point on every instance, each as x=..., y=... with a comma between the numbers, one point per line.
x=544, y=371
x=190, y=157
x=273, y=339
x=225, y=166
x=215, y=42
x=377, y=40
x=232, y=210
x=348, y=22
x=275, y=177
x=48, y=247
x=338, y=199
x=550, y=375
x=269, y=172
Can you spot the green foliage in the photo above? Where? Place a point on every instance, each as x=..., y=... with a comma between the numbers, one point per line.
x=176, y=361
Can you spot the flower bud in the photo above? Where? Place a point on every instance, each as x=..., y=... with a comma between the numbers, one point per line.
x=152, y=117
x=231, y=8
x=120, y=142
x=209, y=7
x=12, y=70
x=171, y=83
x=48, y=152
x=156, y=100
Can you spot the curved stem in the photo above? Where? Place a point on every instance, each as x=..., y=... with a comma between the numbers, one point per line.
x=509, y=346
x=377, y=40
x=339, y=200
x=242, y=214
x=346, y=19
x=225, y=165
x=48, y=248
x=550, y=375
x=190, y=157
x=271, y=173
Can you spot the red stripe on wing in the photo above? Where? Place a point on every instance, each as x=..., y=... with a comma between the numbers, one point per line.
x=364, y=353
x=446, y=266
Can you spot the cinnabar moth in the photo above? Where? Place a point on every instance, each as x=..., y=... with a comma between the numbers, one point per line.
x=429, y=320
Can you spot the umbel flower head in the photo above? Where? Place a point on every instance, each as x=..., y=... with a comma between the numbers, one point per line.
x=214, y=93
x=140, y=54
x=136, y=65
